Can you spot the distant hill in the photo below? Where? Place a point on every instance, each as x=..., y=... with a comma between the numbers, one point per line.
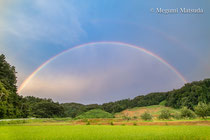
x=189, y=95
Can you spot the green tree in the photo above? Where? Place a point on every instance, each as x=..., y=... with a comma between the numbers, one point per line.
x=146, y=116
x=10, y=100
x=7, y=75
x=73, y=109
x=165, y=114
x=3, y=101
x=202, y=110
x=187, y=113
x=46, y=109
x=189, y=95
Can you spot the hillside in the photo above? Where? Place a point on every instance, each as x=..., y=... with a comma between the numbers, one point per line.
x=95, y=113
x=138, y=111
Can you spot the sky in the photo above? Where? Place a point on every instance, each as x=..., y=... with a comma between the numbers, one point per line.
x=34, y=32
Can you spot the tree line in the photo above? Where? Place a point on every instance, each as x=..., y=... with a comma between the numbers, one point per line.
x=13, y=105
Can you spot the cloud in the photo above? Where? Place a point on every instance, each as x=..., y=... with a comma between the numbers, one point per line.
x=47, y=21
x=73, y=86
x=33, y=31
x=5, y=3
x=101, y=74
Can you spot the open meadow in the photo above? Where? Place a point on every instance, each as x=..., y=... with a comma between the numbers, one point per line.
x=104, y=129
x=104, y=132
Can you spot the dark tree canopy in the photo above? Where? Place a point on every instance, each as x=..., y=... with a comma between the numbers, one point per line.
x=190, y=94
x=7, y=75
x=9, y=101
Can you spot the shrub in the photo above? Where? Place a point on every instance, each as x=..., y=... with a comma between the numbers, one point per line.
x=165, y=114
x=209, y=109
x=163, y=103
x=126, y=118
x=187, y=113
x=135, y=124
x=88, y=123
x=135, y=117
x=146, y=116
x=202, y=110
x=177, y=116
x=111, y=123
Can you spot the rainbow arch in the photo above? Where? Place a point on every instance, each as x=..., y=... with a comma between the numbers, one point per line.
x=30, y=77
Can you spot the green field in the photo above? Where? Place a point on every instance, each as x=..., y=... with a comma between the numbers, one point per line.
x=100, y=125
x=95, y=132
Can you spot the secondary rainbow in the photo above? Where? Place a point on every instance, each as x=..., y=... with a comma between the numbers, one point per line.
x=28, y=79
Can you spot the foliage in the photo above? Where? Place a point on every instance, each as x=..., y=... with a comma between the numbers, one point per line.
x=43, y=108
x=146, y=116
x=73, y=109
x=177, y=116
x=202, y=110
x=187, y=113
x=135, y=117
x=111, y=123
x=189, y=95
x=209, y=109
x=7, y=75
x=139, y=101
x=113, y=107
x=165, y=114
x=95, y=113
x=163, y=103
x=126, y=117
x=88, y=123
x=10, y=102
x=47, y=109
x=3, y=101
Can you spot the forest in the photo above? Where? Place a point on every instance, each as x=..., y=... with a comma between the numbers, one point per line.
x=13, y=105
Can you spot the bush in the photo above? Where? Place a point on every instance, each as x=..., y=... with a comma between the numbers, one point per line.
x=88, y=123
x=209, y=109
x=163, y=103
x=187, y=113
x=202, y=110
x=177, y=116
x=126, y=118
x=165, y=114
x=146, y=116
x=135, y=117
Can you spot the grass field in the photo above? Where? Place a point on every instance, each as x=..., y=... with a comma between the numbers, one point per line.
x=96, y=132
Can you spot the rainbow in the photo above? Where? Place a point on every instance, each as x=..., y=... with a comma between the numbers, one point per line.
x=30, y=77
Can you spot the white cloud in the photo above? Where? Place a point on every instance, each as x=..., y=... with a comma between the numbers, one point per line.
x=27, y=26
x=101, y=75
x=44, y=20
